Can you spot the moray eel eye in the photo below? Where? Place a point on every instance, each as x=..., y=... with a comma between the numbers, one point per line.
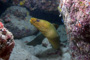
x=37, y=20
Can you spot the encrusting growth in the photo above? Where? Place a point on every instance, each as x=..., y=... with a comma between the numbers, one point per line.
x=6, y=43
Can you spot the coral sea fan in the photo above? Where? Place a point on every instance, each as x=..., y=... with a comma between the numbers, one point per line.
x=77, y=20
x=6, y=43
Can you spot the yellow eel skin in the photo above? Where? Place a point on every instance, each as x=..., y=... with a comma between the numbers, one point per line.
x=48, y=30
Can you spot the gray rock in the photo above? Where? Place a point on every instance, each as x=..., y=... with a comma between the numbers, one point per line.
x=63, y=36
x=16, y=19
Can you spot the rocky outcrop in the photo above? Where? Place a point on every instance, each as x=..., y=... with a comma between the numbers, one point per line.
x=44, y=5
x=76, y=15
x=16, y=19
x=6, y=43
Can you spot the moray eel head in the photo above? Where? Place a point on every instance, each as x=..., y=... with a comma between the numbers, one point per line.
x=42, y=25
x=48, y=30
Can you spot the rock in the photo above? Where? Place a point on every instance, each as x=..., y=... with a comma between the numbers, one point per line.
x=44, y=5
x=66, y=56
x=6, y=43
x=45, y=41
x=62, y=32
x=21, y=53
x=63, y=36
x=77, y=22
x=16, y=19
x=38, y=52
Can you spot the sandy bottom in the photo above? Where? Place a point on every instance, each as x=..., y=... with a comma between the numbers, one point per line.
x=22, y=51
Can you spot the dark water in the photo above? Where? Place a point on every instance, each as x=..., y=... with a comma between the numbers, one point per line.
x=53, y=18
x=4, y=6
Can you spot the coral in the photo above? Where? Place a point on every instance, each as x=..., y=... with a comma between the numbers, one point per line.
x=6, y=43
x=44, y=5
x=76, y=14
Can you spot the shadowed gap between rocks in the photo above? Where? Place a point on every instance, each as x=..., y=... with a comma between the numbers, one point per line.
x=49, y=16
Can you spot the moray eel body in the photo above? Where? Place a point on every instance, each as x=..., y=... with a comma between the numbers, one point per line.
x=48, y=30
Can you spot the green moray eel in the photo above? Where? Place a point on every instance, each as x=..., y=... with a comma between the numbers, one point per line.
x=48, y=30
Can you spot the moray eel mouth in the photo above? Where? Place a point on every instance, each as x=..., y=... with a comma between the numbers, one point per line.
x=42, y=25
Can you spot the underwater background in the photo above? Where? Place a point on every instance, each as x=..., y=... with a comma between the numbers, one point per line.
x=30, y=43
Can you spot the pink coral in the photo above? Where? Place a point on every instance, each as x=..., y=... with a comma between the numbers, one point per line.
x=6, y=42
x=77, y=21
